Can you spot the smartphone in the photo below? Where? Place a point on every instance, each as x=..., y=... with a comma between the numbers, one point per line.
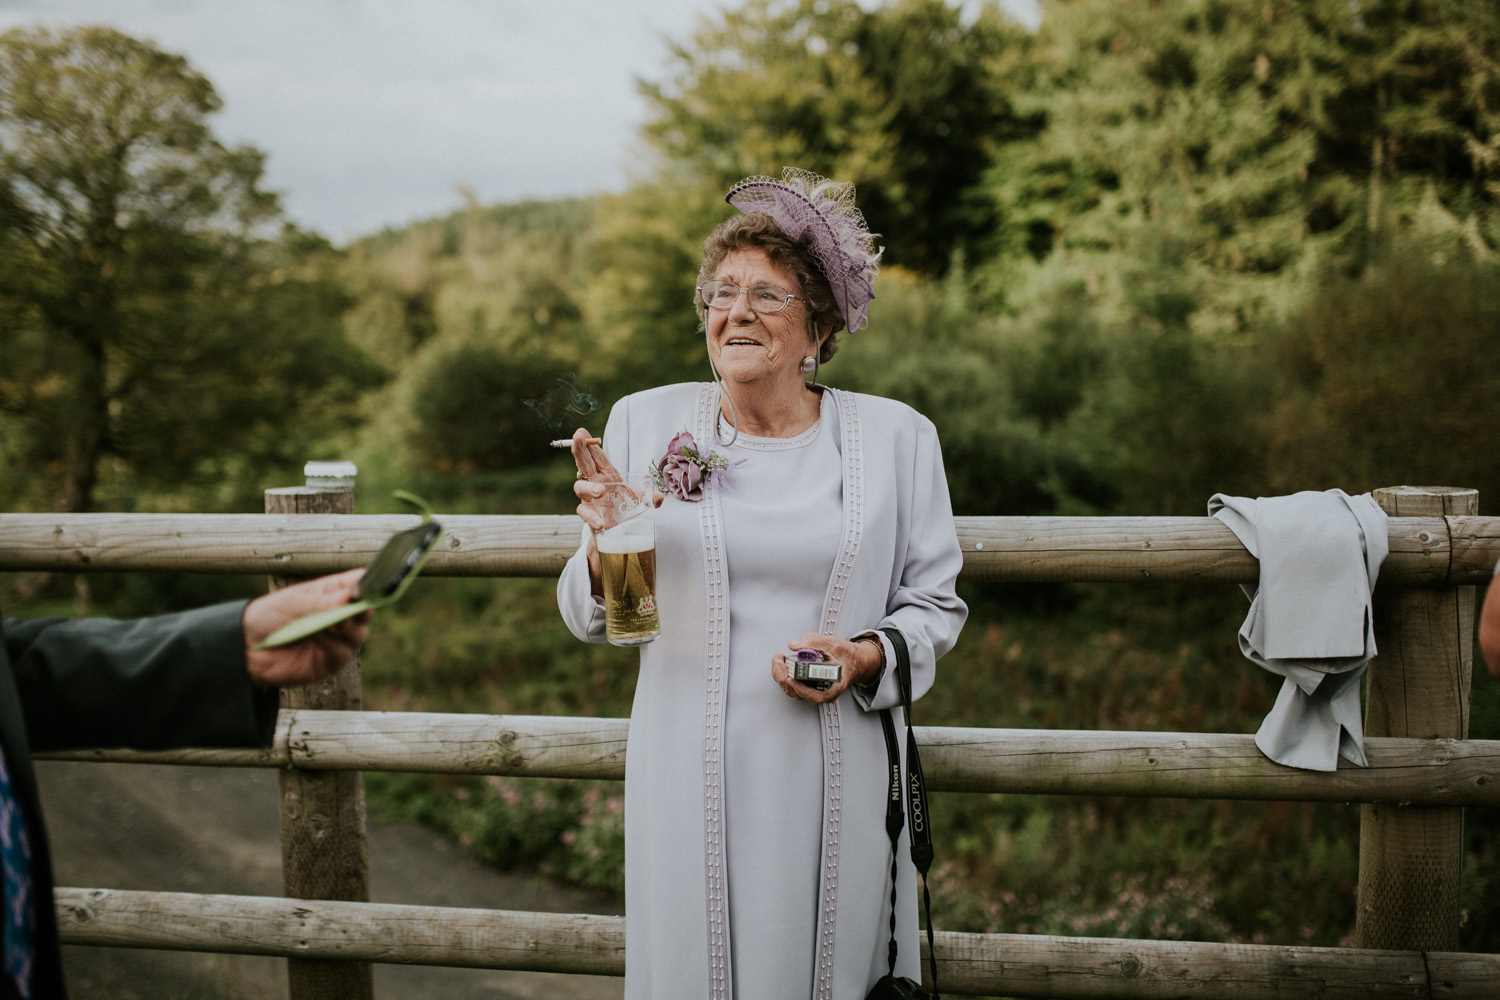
x=386, y=576
x=391, y=566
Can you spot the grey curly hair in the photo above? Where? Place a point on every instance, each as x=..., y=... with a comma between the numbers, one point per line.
x=758, y=231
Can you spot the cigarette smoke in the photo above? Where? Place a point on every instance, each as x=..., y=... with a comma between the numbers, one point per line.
x=565, y=398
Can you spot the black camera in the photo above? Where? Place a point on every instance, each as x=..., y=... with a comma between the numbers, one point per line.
x=810, y=667
x=898, y=988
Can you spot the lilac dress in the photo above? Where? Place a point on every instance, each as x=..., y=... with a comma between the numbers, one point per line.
x=757, y=862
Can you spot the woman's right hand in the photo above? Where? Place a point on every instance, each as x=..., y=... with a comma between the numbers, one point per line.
x=592, y=464
x=594, y=471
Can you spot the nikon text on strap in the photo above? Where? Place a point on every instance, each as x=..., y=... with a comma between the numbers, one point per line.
x=918, y=815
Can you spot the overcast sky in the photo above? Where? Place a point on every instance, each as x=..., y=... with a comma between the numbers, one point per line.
x=375, y=112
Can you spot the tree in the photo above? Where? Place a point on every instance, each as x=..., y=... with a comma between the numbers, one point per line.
x=476, y=407
x=1393, y=379
x=153, y=308
x=1204, y=168
x=905, y=100
x=1268, y=136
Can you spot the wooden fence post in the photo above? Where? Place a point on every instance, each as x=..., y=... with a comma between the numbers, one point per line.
x=323, y=848
x=1411, y=857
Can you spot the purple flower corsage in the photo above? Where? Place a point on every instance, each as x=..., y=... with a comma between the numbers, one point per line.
x=682, y=470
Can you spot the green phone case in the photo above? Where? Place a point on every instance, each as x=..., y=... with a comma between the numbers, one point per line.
x=305, y=626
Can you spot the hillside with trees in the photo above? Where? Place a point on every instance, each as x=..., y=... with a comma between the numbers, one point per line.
x=1150, y=252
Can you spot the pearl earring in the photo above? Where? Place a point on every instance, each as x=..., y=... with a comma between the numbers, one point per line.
x=809, y=364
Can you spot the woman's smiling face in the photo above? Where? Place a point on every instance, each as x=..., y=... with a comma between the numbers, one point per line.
x=749, y=347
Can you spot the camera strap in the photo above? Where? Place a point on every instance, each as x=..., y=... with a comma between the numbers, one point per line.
x=917, y=813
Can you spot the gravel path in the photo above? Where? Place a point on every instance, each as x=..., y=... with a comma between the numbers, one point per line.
x=199, y=829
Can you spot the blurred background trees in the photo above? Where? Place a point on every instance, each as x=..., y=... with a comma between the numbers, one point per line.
x=906, y=101
x=153, y=313
x=1155, y=250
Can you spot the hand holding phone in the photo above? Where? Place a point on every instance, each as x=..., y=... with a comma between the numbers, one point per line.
x=385, y=580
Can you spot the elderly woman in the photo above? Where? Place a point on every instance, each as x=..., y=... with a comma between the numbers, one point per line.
x=795, y=516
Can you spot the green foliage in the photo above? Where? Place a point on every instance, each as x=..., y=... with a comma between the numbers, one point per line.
x=1270, y=132
x=1169, y=423
x=453, y=644
x=469, y=404
x=905, y=100
x=933, y=347
x=645, y=254
x=482, y=313
x=1392, y=378
x=146, y=281
x=572, y=831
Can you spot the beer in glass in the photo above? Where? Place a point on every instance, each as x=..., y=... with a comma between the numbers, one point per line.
x=627, y=559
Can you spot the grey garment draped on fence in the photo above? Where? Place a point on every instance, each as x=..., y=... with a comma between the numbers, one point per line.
x=1310, y=617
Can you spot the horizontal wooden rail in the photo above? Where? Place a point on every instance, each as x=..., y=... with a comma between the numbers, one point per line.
x=1030, y=761
x=1203, y=766
x=284, y=544
x=1424, y=550
x=1016, y=965
x=327, y=929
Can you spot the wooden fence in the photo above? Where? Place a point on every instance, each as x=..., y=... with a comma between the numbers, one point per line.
x=1422, y=768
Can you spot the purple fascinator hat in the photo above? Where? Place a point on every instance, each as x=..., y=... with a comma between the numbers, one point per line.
x=820, y=212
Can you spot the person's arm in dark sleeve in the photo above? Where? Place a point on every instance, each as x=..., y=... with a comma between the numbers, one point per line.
x=177, y=680
x=191, y=679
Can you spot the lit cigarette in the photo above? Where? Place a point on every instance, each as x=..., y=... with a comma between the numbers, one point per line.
x=568, y=442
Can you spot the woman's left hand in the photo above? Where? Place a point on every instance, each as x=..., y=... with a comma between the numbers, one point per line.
x=861, y=662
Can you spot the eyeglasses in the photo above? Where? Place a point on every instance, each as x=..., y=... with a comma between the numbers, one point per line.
x=763, y=298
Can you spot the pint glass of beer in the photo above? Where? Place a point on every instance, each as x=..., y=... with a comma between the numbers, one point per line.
x=627, y=557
